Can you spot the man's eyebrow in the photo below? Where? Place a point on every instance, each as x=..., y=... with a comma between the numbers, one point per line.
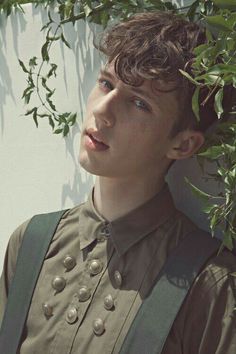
x=134, y=89
x=143, y=92
x=106, y=73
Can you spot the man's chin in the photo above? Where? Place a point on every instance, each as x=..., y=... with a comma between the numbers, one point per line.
x=88, y=166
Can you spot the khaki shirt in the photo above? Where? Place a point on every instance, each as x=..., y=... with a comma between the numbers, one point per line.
x=96, y=275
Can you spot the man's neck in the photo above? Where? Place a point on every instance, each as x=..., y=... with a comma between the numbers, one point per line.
x=114, y=198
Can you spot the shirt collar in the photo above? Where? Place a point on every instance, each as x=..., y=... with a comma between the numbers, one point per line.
x=129, y=229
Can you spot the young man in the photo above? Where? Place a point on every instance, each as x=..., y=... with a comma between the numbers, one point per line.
x=106, y=254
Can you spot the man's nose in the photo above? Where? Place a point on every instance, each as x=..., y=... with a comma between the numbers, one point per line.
x=105, y=107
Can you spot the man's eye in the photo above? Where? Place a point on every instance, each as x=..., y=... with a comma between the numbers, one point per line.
x=105, y=84
x=141, y=105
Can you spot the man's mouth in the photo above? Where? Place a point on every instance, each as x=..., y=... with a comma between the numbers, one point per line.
x=94, y=142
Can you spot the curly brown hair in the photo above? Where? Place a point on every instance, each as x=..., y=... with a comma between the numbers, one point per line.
x=154, y=46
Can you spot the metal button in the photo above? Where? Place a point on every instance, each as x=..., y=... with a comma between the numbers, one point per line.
x=118, y=278
x=108, y=302
x=47, y=309
x=95, y=267
x=98, y=326
x=69, y=262
x=72, y=315
x=84, y=293
x=58, y=283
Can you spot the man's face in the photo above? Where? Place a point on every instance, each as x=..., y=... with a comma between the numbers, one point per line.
x=126, y=129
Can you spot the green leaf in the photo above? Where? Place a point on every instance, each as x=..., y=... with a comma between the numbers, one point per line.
x=45, y=26
x=214, y=221
x=28, y=96
x=30, y=111
x=23, y=67
x=212, y=153
x=199, y=193
x=32, y=62
x=65, y=41
x=35, y=117
x=221, y=23
x=58, y=131
x=51, y=122
x=192, y=10
x=222, y=69
x=72, y=119
x=189, y=77
x=53, y=38
x=26, y=91
x=66, y=130
x=87, y=10
x=43, y=115
x=51, y=104
x=208, y=208
x=201, y=48
x=44, y=51
x=44, y=84
x=225, y=4
x=218, y=103
x=52, y=70
x=49, y=94
x=195, y=103
x=50, y=17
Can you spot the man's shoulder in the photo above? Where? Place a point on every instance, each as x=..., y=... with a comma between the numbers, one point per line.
x=216, y=281
x=219, y=269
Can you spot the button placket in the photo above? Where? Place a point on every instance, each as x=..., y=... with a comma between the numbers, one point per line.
x=91, y=281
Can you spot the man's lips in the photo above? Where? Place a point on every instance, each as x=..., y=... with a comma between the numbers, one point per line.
x=94, y=141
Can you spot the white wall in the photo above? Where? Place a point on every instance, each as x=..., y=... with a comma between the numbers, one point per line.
x=39, y=171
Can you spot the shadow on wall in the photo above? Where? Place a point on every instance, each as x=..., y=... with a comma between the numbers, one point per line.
x=18, y=25
x=87, y=65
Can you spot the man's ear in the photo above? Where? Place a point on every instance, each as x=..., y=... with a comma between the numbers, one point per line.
x=185, y=144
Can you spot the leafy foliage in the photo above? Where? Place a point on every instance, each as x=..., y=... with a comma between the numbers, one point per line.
x=214, y=69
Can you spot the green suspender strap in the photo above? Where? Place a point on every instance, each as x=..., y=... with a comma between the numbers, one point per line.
x=36, y=240
x=152, y=324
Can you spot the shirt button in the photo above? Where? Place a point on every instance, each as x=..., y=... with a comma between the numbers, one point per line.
x=105, y=231
x=69, y=262
x=118, y=278
x=84, y=293
x=98, y=326
x=108, y=302
x=58, y=283
x=72, y=315
x=95, y=267
x=47, y=309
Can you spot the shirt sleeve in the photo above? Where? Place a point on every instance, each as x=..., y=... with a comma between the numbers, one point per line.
x=206, y=323
x=10, y=265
